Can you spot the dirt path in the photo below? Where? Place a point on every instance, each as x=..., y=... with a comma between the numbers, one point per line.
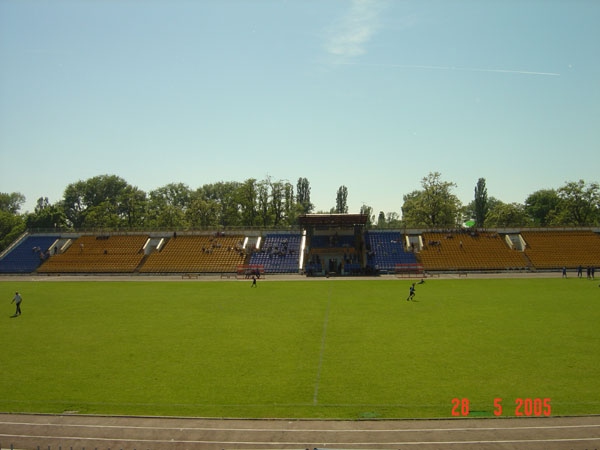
x=75, y=432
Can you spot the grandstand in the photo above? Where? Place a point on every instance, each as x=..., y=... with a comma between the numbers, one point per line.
x=278, y=253
x=334, y=244
x=468, y=251
x=197, y=254
x=385, y=251
x=98, y=254
x=556, y=249
x=327, y=245
x=28, y=253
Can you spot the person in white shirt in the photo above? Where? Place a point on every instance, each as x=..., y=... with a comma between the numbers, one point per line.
x=17, y=299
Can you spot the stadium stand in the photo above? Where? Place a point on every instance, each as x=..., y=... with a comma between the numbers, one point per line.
x=333, y=253
x=28, y=254
x=385, y=250
x=98, y=254
x=557, y=249
x=197, y=254
x=352, y=252
x=468, y=251
x=332, y=241
x=279, y=253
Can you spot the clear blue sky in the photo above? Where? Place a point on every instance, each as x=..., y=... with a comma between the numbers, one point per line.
x=369, y=94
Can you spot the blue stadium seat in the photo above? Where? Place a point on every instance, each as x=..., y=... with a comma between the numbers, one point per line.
x=279, y=253
x=385, y=250
x=27, y=256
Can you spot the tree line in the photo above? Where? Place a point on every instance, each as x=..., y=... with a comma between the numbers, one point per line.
x=109, y=202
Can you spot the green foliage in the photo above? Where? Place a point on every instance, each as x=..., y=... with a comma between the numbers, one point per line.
x=277, y=201
x=109, y=202
x=579, y=204
x=481, y=203
x=367, y=211
x=11, y=226
x=573, y=204
x=303, y=196
x=46, y=216
x=341, y=200
x=104, y=201
x=11, y=203
x=507, y=215
x=435, y=206
x=381, y=221
x=541, y=206
x=11, y=223
x=321, y=348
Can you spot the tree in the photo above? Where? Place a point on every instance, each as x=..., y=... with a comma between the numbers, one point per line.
x=74, y=204
x=133, y=206
x=103, y=215
x=202, y=213
x=303, y=196
x=381, y=222
x=277, y=192
x=103, y=188
x=481, y=203
x=367, y=211
x=247, y=198
x=507, y=215
x=173, y=194
x=167, y=206
x=225, y=195
x=11, y=203
x=11, y=226
x=105, y=195
x=410, y=215
x=579, y=204
x=290, y=208
x=434, y=207
x=542, y=207
x=46, y=216
x=264, y=209
x=341, y=200
x=392, y=220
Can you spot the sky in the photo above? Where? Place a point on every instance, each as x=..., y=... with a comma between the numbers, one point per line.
x=370, y=94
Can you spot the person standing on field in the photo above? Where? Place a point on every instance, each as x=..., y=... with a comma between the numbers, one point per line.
x=411, y=292
x=17, y=300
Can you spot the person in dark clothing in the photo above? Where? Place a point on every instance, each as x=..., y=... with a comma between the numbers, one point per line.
x=17, y=300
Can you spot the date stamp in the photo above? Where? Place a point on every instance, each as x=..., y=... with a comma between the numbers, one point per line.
x=522, y=407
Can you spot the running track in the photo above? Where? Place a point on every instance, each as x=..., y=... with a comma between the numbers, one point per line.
x=78, y=432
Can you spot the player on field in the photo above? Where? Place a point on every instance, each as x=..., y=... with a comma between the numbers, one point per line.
x=411, y=292
x=17, y=300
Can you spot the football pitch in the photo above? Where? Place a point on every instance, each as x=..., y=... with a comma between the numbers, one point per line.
x=348, y=349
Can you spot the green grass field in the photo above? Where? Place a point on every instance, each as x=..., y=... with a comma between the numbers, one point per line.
x=301, y=349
